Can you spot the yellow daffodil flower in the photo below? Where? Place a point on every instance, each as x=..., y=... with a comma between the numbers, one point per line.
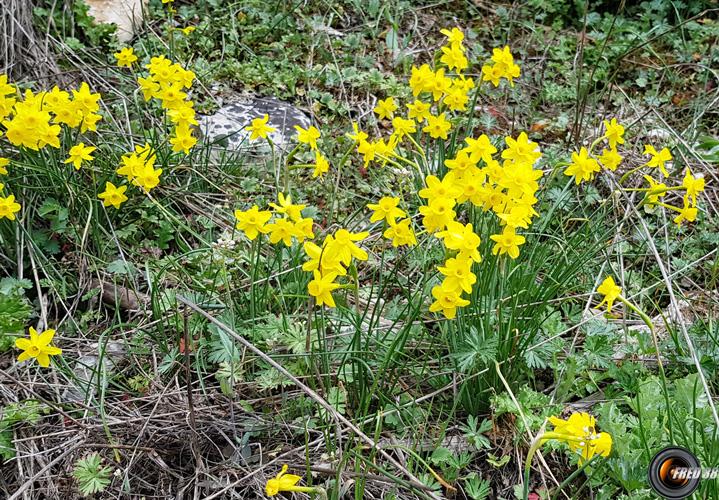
x=453, y=57
x=281, y=230
x=183, y=140
x=322, y=166
x=385, y=109
x=125, y=57
x=344, y=247
x=656, y=190
x=458, y=274
x=304, y=229
x=259, y=128
x=445, y=188
x=147, y=178
x=686, y=213
x=437, y=126
x=386, y=208
x=658, y=159
x=321, y=289
x=401, y=233
x=610, y=291
x=480, y=148
x=583, y=167
x=447, y=300
x=461, y=237
x=403, y=127
x=286, y=207
x=321, y=259
x=454, y=36
x=521, y=149
x=308, y=136
x=437, y=214
x=610, y=159
x=38, y=347
x=614, y=133
x=113, y=195
x=357, y=135
x=580, y=434
x=8, y=207
x=508, y=242
x=418, y=110
x=693, y=186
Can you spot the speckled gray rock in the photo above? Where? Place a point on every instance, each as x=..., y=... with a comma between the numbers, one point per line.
x=93, y=370
x=227, y=129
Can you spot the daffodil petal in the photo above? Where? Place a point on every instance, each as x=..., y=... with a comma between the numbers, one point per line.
x=23, y=344
x=43, y=359
x=289, y=480
x=46, y=337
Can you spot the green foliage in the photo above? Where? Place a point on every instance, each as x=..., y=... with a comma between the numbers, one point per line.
x=474, y=432
x=534, y=406
x=451, y=464
x=28, y=411
x=652, y=420
x=15, y=310
x=476, y=487
x=91, y=476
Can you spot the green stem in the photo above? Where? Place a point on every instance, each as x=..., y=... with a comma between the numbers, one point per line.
x=670, y=207
x=536, y=444
x=335, y=188
x=420, y=150
x=594, y=144
x=420, y=460
x=289, y=158
x=630, y=172
x=647, y=321
x=573, y=475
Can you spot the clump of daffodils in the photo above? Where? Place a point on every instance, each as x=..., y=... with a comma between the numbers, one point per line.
x=479, y=175
x=169, y=82
x=286, y=225
x=35, y=121
x=585, y=164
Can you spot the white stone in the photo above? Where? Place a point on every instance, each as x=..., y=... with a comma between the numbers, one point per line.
x=125, y=14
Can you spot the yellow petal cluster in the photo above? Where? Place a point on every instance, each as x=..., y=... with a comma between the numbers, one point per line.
x=579, y=432
x=37, y=347
x=169, y=82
